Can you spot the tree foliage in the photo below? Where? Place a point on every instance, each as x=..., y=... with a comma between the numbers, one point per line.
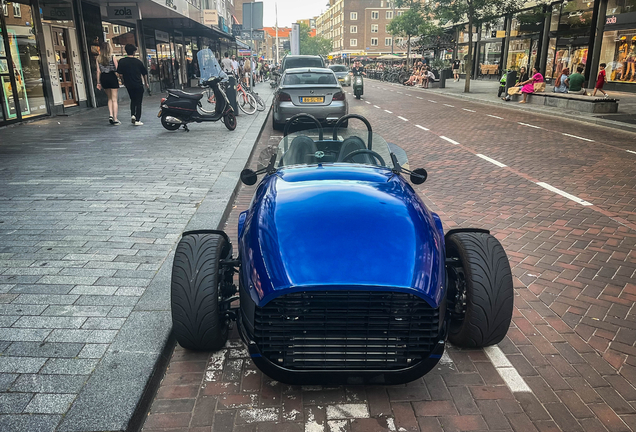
x=475, y=13
x=412, y=23
x=316, y=45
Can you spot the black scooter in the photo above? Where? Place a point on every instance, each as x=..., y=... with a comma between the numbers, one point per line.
x=181, y=108
x=358, y=85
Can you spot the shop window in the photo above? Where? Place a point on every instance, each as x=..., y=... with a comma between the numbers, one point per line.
x=527, y=22
x=618, y=51
x=374, y=41
x=375, y=15
x=615, y=7
x=353, y=29
x=576, y=14
x=389, y=14
x=353, y=42
x=556, y=15
x=387, y=41
x=17, y=12
x=493, y=30
x=374, y=28
x=353, y=16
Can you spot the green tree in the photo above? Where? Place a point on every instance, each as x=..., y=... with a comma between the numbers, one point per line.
x=407, y=25
x=475, y=12
x=313, y=45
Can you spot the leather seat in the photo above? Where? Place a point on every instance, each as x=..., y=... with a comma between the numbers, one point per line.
x=182, y=94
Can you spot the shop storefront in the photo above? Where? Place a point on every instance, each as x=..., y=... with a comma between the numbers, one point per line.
x=618, y=49
x=491, y=47
x=525, y=39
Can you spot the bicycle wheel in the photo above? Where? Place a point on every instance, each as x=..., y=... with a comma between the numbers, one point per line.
x=260, y=103
x=247, y=103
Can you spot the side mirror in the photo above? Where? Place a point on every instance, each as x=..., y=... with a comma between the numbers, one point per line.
x=249, y=177
x=418, y=176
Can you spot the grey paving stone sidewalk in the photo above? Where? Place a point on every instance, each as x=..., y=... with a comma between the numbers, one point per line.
x=89, y=215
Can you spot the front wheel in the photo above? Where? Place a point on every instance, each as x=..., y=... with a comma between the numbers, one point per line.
x=357, y=96
x=167, y=125
x=230, y=121
x=247, y=103
x=480, y=290
x=197, y=320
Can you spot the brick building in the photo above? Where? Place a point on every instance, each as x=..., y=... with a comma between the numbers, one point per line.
x=359, y=27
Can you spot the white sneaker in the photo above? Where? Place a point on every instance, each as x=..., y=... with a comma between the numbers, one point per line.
x=137, y=123
x=133, y=119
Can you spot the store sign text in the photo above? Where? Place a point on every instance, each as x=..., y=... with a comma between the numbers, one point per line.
x=123, y=12
x=619, y=19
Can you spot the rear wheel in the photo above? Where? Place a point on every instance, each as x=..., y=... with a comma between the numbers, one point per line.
x=247, y=103
x=260, y=103
x=230, y=121
x=480, y=291
x=275, y=125
x=197, y=321
x=167, y=125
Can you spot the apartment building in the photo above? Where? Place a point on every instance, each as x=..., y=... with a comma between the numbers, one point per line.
x=359, y=27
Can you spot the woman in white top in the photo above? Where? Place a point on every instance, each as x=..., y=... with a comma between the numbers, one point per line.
x=107, y=80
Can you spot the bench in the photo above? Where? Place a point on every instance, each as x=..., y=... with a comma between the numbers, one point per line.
x=589, y=104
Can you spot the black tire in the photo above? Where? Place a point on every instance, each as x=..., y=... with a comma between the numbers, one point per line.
x=488, y=288
x=230, y=121
x=357, y=96
x=169, y=126
x=194, y=293
x=277, y=126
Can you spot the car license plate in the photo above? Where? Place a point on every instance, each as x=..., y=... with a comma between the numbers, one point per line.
x=159, y=113
x=312, y=99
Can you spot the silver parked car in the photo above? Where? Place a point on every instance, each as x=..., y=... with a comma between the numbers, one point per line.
x=342, y=73
x=314, y=91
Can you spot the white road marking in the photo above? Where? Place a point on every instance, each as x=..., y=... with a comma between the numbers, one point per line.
x=578, y=137
x=484, y=157
x=432, y=101
x=368, y=102
x=419, y=97
x=631, y=151
x=402, y=118
x=565, y=194
x=529, y=125
x=422, y=127
x=494, y=116
x=390, y=112
x=449, y=140
x=452, y=106
x=469, y=110
x=400, y=92
x=507, y=372
x=376, y=106
x=408, y=95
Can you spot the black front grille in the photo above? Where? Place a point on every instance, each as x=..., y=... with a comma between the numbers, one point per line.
x=346, y=330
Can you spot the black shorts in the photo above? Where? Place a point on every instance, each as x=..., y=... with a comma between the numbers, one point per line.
x=109, y=80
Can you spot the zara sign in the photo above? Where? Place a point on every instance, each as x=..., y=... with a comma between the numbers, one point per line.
x=130, y=12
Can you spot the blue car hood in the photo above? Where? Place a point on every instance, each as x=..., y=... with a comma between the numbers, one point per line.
x=340, y=227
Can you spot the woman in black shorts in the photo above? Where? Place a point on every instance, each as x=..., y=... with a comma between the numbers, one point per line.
x=107, y=80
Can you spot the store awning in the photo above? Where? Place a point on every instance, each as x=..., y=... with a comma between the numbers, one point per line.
x=186, y=26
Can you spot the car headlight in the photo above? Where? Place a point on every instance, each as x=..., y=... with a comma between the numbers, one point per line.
x=347, y=78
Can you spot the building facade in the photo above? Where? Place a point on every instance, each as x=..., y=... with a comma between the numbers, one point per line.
x=49, y=49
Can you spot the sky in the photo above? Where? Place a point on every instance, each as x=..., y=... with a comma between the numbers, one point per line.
x=290, y=11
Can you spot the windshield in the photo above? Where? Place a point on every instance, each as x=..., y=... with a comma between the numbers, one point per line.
x=338, y=68
x=309, y=78
x=305, y=148
x=304, y=62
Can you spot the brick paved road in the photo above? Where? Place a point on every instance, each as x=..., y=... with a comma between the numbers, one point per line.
x=573, y=333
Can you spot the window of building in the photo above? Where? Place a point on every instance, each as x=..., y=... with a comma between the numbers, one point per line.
x=374, y=28
x=399, y=40
x=386, y=28
x=17, y=12
x=387, y=41
x=389, y=14
x=353, y=42
x=400, y=13
x=354, y=15
x=105, y=29
x=353, y=29
x=374, y=41
x=116, y=29
x=375, y=14
x=5, y=9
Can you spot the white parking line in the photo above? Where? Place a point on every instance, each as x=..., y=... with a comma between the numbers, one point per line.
x=449, y=140
x=631, y=151
x=484, y=157
x=578, y=137
x=419, y=97
x=452, y=106
x=565, y=194
x=529, y=125
x=376, y=106
x=508, y=373
x=390, y=112
x=422, y=127
x=494, y=116
x=368, y=102
x=402, y=118
x=408, y=95
x=432, y=101
x=400, y=92
x=469, y=110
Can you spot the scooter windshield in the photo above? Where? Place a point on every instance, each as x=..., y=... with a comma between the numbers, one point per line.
x=209, y=67
x=352, y=146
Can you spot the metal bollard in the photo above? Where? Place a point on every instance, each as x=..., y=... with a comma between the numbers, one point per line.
x=231, y=94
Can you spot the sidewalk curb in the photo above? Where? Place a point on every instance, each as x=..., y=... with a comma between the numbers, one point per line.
x=120, y=391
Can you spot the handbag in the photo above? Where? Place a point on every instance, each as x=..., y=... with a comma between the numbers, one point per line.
x=539, y=87
x=514, y=90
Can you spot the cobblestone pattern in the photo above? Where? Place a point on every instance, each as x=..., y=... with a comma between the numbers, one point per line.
x=88, y=214
x=573, y=387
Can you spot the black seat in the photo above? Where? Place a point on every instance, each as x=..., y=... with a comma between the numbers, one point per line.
x=182, y=94
x=301, y=151
x=352, y=144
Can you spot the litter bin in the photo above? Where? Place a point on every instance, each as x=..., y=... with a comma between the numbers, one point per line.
x=231, y=94
x=511, y=79
x=443, y=76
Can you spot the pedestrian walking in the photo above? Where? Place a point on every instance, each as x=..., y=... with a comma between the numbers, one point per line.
x=107, y=80
x=529, y=85
x=456, y=65
x=601, y=80
x=226, y=64
x=135, y=77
